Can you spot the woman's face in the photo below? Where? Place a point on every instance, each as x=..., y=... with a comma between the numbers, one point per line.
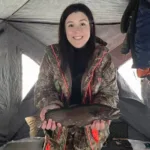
x=77, y=28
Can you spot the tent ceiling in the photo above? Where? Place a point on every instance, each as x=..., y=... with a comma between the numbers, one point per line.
x=48, y=34
x=8, y=7
x=105, y=11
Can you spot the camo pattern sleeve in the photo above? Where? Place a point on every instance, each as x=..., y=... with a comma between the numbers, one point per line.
x=45, y=92
x=107, y=76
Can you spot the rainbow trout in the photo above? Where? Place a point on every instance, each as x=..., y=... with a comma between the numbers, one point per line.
x=80, y=115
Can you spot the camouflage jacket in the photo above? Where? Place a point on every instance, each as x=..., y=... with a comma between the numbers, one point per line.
x=98, y=83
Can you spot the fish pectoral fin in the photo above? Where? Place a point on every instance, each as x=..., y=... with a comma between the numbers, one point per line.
x=33, y=125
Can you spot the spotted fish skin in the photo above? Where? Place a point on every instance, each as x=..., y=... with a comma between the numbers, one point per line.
x=82, y=115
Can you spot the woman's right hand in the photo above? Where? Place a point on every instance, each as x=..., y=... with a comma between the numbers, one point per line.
x=50, y=124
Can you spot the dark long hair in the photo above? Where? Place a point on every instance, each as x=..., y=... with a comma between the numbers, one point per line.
x=64, y=45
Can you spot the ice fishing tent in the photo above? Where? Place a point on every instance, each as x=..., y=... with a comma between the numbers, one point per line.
x=27, y=27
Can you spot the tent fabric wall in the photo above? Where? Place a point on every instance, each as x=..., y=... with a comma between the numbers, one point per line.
x=12, y=44
x=15, y=67
x=7, y=7
x=145, y=89
x=136, y=114
x=4, y=96
x=10, y=74
x=18, y=128
x=27, y=44
x=105, y=11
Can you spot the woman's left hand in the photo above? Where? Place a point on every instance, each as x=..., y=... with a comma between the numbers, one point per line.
x=99, y=124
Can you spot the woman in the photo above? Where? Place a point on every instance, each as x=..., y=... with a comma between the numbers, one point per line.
x=77, y=70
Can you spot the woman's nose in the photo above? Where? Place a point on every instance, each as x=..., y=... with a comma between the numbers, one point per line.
x=77, y=29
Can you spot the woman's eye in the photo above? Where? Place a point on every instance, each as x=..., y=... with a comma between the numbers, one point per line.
x=83, y=24
x=70, y=25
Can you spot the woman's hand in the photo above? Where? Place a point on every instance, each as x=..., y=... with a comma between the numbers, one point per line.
x=50, y=124
x=99, y=124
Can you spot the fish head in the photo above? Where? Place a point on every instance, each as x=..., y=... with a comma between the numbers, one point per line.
x=104, y=112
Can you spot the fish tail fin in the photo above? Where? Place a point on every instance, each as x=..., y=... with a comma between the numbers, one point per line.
x=34, y=124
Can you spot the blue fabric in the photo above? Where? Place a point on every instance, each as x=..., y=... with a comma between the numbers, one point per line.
x=142, y=36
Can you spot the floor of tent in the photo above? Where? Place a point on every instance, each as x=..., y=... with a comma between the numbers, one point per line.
x=116, y=141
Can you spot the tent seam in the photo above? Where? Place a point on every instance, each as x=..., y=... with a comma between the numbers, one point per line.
x=18, y=9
